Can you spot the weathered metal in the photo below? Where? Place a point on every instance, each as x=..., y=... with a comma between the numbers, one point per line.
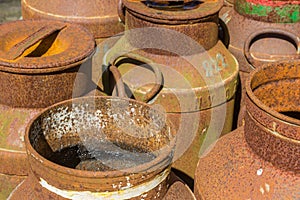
x=261, y=159
x=124, y=151
x=282, y=11
x=185, y=46
x=200, y=21
x=98, y=16
x=250, y=16
x=39, y=62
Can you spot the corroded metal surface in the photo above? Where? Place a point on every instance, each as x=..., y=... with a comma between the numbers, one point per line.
x=36, y=70
x=183, y=103
x=39, y=71
x=13, y=122
x=177, y=41
x=263, y=47
x=199, y=23
x=274, y=89
x=148, y=134
x=261, y=159
x=98, y=16
x=10, y=10
x=267, y=46
x=178, y=191
x=8, y=183
x=282, y=11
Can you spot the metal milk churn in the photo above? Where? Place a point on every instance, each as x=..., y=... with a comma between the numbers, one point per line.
x=261, y=159
x=262, y=32
x=39, y=66
x=100, y=17
x=98, y=148
x=199, y=74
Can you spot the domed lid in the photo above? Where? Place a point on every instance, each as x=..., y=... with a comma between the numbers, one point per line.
x=99, y=16
x=35, y=46
x=174, y=11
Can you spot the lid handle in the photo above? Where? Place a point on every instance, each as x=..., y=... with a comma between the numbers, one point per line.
x=18, y=49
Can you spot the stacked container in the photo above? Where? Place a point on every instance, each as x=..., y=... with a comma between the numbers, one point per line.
x=40, y=64
x=199, y=73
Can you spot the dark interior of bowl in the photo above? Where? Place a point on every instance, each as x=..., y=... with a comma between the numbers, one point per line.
x=100, y=134
x=278, y=87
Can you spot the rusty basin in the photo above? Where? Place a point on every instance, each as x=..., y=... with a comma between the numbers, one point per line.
x=39, y=62
x=98, y=147
x=261, y=159
x=199, y=74
x=262, y=32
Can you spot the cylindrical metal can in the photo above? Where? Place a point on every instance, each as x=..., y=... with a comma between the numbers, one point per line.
x=199, y=73
x=39, y=63
x=261, y=159
x=262, y=32
x=98, y=148
x=100, y=17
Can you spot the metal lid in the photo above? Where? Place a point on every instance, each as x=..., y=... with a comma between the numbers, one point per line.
x=172, y=12
x=35, y=46
x=100, y=17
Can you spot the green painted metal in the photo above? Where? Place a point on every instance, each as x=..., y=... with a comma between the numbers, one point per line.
x=288, y=13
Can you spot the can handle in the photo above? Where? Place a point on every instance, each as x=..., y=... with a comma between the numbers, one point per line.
x=119, y=81
x=279, y=33
x=121, y=11
x=223, y=33
x=18, y=49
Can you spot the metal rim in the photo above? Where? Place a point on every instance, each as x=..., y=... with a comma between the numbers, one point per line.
x=92, y=174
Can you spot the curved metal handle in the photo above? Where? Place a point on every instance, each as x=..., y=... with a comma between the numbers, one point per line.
x=119, y=81
x=223, y=33
x=121, y=11
x=263, y=33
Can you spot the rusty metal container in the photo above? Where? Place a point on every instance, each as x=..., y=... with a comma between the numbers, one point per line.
x=246, y=25
x=98, y=147
x=39, y=63
x=199, y=74
x=98, y=16
x=261, y=159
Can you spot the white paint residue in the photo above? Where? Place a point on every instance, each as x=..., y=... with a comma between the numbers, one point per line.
x=261, y=190
x=267, y=187
x=259, y=172
x=121, y=194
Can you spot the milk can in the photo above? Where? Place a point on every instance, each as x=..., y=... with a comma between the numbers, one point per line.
x=98, y=148
x=39, y=62
x=269, y=28
x=261, y=159
x=100, y=17
x=199, y=74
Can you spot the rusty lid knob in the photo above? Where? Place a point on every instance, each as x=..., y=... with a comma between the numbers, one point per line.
x=35, y=46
